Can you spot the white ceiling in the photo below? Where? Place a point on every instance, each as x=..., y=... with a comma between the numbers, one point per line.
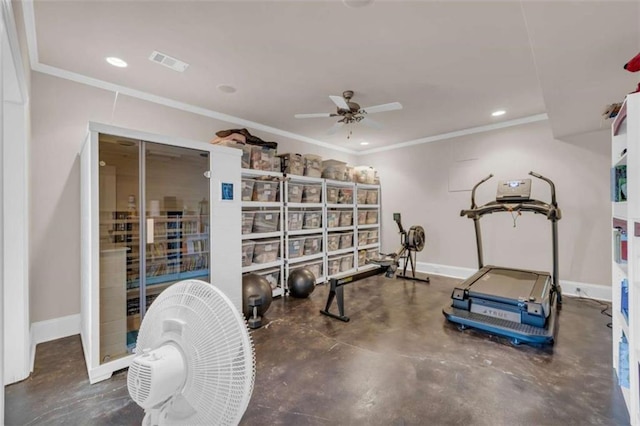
x=450, y=64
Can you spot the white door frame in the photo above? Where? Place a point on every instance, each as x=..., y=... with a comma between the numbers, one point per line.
x=14, y=212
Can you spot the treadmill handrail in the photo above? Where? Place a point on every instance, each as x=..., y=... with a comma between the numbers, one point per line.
x=535, y=206
x=473, y=191
x=551, y=185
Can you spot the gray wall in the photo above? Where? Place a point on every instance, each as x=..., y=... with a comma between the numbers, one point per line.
x=416, y=182
x=60, y=112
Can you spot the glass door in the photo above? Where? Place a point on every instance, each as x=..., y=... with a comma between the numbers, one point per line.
x=154, y=231
x=176, y=205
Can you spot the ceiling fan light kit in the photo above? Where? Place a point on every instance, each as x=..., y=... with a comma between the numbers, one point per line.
x=350, y=112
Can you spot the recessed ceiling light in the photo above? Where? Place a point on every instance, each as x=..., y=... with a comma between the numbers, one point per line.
x=357, y=3
x=498, y=113
x=364, y=143
x=116, y=62
x=225, y=88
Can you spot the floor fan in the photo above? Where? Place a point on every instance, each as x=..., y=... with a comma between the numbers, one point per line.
x=195, y=362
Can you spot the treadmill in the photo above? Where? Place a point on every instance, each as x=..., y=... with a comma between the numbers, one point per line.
x=515, y=303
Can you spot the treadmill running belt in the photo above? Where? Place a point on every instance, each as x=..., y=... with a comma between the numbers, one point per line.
x=506, y=283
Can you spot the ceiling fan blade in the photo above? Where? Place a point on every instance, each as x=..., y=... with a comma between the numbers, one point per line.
x=335, y=128
x=382, y=108
x=340, y=102
x=371, y=123
x=314, y=115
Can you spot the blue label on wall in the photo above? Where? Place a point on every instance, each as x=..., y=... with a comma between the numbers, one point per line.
x=227, y=191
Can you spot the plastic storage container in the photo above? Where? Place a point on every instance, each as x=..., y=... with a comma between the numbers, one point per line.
x=265, y=191
x=311, y=193
x=247, y=189
x=373, y=236
x=346, y=240
x=294, y=192
x=292, y=164
x=333, y=169
x=346, y=262
x=365, y=174
x=333, y=242
x=363, y=237
x=272, y=275
x=362, y=258
x=333, y=218
x=372, y=217
x=372, y=196
x=346, y=218
x=362, y=196
x=312, y=220
x=373, y=254
x=296, y=247
x=262, y=157
x=333, y=265
x=332, y=194
x=247, y=252
x=266, y=251
x=345, y=196
x=295, y=220
x=266, y=221
x=312, y=165
x=362, y=217
x=247, y=222
x=312, y=245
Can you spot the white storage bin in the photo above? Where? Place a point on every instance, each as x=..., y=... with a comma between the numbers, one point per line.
x=295, y=220
x=362, y=217
x=346, y=262
x=266, y=251
x=346, y=240
x=247, y=222
x=333, y=265
x=363, y=237
x=346, y=218
x=294, y=192
x=333, y=218
x=362, y=258
x=362, y=196
x=247, y=252
x=373, y=254
x=312, y=219
x=265, y=191
x=333, y=242
x=312, y=165
x=333, y=169
x=372, y=217
x=345, y=196
x=312, y=193
x=296, y=247
x=247, y=189
x=373, y=236
x=372, y=196
x=312, y=245
x=266, y=221
x=332, y=194
x=262, y=157
x=292, y=164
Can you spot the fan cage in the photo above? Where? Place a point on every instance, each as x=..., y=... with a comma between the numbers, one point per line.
x=218, y=350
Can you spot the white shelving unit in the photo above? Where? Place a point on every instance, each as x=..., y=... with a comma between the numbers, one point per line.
x=340, y=230
x=304, y=221
x=367, y=214
x=625, y=153
x=268, y=232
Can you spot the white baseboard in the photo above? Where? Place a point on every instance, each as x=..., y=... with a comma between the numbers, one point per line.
x=56, y=328
x=569, y=288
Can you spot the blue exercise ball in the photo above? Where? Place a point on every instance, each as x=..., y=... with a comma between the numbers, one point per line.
x=301, y=283
x=255, y=285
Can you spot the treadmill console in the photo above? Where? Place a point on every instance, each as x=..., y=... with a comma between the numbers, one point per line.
x=514, y=190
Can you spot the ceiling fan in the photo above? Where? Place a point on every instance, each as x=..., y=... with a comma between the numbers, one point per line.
x=350, y=112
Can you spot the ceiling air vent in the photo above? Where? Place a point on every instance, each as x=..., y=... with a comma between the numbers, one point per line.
x=168, y=61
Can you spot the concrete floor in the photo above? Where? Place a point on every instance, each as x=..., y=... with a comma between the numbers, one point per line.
x=397, y=362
